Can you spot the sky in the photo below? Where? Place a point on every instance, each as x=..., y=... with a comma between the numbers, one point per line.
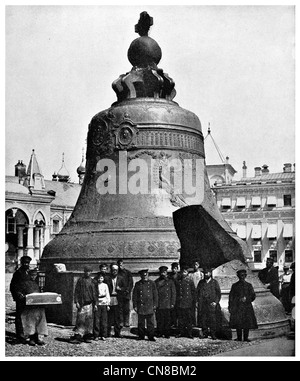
x=233, y=66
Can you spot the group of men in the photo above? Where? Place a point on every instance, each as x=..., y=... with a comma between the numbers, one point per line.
x=103, y=302
x=177, y=299
x=181, y=299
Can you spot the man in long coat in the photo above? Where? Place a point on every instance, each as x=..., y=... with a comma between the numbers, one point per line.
x=116, y=288
x=20, y=276
x=196, y=275
x=125, y=296
x=186, y=298
x=33, y=318
x=85, y=299
x=242, y=316
x=270, y=278
x=208, y=297
x=166, y=301
x=145, y=299
x=174, y=275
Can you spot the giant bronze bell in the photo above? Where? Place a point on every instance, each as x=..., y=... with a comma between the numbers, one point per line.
x=145, y=177
x=144, y=124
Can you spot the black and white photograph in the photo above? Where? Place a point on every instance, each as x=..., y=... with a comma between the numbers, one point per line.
x=150, y=184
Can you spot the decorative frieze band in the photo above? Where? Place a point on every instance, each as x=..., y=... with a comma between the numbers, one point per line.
x=92, y=246
x=263, y=190
x=107, y=134
x=249, y=216
x=144, y=249
x=140, y=223
x=166, y=139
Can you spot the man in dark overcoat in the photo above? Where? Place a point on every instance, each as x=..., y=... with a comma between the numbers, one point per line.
x=20, y=276
x=208, y=297
x=186, y=298
x=145, y=299
x=166, y=301
x=270, y=278
x=242, y=316
x=125, y=296
x=174, y=274
x=85, y=299
x=196, y=275
x=116, y=287
x=33, y=317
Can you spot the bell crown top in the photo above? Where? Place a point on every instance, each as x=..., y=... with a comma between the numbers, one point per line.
x=145, y=79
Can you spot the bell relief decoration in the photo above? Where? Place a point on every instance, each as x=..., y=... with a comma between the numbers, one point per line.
x=126, y=135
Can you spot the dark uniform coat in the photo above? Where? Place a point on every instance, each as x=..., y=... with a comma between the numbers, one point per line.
x=166, y=293
x=207, y=293
x=29, y=286
x=128, y=283
x=242, y=313
x=144, y=297
x=185, y=292
x=19, y=277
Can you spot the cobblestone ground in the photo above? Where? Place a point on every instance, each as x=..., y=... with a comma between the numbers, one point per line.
x=57, y=345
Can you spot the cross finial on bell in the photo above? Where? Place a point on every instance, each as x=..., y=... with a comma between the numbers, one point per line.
x=144, y=23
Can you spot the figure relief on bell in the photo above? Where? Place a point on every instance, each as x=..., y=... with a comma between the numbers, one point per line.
x=99, y=134
x=100, y=137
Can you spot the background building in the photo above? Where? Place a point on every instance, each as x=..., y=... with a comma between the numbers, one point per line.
x=259, y=208
x=36, y=209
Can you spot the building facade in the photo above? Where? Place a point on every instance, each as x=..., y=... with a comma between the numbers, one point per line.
x=261, y=210
x=36, y=209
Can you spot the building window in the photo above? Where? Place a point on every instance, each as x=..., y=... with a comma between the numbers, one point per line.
x=256, y=202
x=55, y=224
x=257, y=256
x=11, y=225
x=256, y=233
x=288, y=231
x=288, y=256
x=226, y=203
x=271, y=201
x=225, y=207
x=241, y=231
x=241, y=203
x=272, y=232
x=287, y=200
x=273, y=255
